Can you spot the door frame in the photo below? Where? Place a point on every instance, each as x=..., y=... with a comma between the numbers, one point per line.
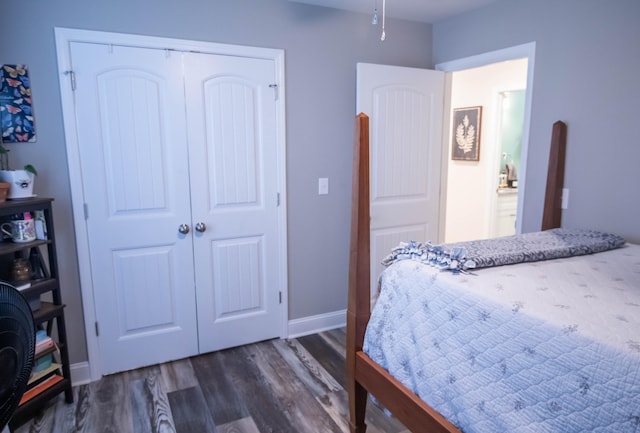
x=64, y=37
x=526, y=50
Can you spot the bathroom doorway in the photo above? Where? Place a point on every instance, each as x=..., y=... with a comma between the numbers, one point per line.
x=504, y=203
x=474, y=204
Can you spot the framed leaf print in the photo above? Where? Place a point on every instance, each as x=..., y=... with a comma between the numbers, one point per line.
x=465, y=139
x=16, y=114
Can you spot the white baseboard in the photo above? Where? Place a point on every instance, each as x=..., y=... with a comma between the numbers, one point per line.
x=80, y=373
x=315, y=324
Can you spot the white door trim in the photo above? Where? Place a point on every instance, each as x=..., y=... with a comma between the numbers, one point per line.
x=64, y=37
x=527, y=50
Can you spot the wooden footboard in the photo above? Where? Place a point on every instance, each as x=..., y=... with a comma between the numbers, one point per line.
x=405, y=405
x=363, y=374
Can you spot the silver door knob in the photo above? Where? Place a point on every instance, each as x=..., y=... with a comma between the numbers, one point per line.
x=200, y=227
x=183, y=228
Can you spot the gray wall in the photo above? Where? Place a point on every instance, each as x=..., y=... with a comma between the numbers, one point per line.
x=322, y=48
x=587, y=69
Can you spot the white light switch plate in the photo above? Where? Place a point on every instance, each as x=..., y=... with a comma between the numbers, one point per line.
x=323, y=186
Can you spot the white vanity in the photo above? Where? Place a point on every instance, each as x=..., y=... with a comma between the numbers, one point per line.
x=506, y=210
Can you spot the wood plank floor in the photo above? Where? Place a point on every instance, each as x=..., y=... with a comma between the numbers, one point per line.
x=277, y=386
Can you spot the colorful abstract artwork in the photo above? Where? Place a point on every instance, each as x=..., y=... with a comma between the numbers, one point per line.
x=16, y=114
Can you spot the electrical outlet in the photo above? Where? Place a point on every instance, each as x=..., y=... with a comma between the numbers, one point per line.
x=565, y=198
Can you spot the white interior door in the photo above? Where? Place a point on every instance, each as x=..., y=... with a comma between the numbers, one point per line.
x=135, y=171
x=231, y=112
x=405, y=106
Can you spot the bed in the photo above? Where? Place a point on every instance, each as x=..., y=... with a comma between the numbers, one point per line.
x=477, y=386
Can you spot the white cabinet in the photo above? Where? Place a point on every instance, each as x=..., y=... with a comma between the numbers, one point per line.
x=506, y=211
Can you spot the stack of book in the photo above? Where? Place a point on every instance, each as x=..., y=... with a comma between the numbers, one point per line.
x=45, y=372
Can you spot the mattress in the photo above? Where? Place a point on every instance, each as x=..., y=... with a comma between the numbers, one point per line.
x=549, y=346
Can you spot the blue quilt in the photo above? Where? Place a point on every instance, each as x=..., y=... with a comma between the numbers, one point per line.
x=548, y=346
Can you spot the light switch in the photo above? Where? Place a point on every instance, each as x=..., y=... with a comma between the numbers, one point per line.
x=323, y=186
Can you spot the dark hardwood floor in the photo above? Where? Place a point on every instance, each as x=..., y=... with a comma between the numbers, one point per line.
x=277, y=386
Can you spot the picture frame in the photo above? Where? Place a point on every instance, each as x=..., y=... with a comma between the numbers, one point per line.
x=465, y=135
x=16, y=111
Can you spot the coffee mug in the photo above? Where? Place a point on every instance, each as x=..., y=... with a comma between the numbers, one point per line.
x=20, y=230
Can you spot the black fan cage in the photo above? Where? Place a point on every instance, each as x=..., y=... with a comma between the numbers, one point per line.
x=17, y=345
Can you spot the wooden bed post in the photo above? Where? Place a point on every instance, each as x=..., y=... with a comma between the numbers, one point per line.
x=552, y=216
x=359, y=308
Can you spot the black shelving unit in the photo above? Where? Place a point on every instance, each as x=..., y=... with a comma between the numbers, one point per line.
x=50, y=314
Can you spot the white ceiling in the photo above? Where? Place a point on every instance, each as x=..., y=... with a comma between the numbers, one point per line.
x=427, y=11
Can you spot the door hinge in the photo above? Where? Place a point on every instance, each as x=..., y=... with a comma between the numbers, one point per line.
x=85, y=208
x=275, y=90
x=72, y=77
x=97, y=331
x=277, y=199
x=280, y=297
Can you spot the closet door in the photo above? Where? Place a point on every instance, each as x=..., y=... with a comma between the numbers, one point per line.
x=130, y=122
x=231, y=121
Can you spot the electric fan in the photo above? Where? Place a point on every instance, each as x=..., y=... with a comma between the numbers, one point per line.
x=17, y=343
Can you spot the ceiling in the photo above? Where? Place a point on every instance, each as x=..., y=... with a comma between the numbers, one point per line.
x=427, y=11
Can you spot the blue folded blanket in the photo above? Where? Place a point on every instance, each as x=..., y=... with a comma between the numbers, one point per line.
x=508, y=250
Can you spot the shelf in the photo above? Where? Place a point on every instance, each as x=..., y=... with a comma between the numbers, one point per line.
x=38, y=287
x=47, y=311
x=25, y=411
x=8, y=247
x=36, y=377
x=50, y=315
x=9, y=207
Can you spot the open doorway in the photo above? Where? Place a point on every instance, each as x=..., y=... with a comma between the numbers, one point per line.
x=481, y=195
x=479, y=199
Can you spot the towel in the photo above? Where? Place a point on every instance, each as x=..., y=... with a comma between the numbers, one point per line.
x=512, y=173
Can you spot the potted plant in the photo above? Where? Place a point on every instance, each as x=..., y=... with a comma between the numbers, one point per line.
x=20, y=182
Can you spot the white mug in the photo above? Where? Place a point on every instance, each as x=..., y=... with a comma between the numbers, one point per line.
x=20, y=230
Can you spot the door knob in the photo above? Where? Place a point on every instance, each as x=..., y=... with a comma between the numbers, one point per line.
x=201, y=227
x=183, y=228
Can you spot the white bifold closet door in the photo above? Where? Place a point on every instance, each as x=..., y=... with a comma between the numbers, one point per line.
x=179, y=177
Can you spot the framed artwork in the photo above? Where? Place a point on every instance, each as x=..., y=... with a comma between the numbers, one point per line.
x=465, y=144
x=16, y=114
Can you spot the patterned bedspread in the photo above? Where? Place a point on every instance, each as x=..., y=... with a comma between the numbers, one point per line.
x=549, y=346
x=507, y=250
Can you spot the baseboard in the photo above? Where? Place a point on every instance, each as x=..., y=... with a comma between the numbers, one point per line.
x=314, y=324
x=80, y=373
